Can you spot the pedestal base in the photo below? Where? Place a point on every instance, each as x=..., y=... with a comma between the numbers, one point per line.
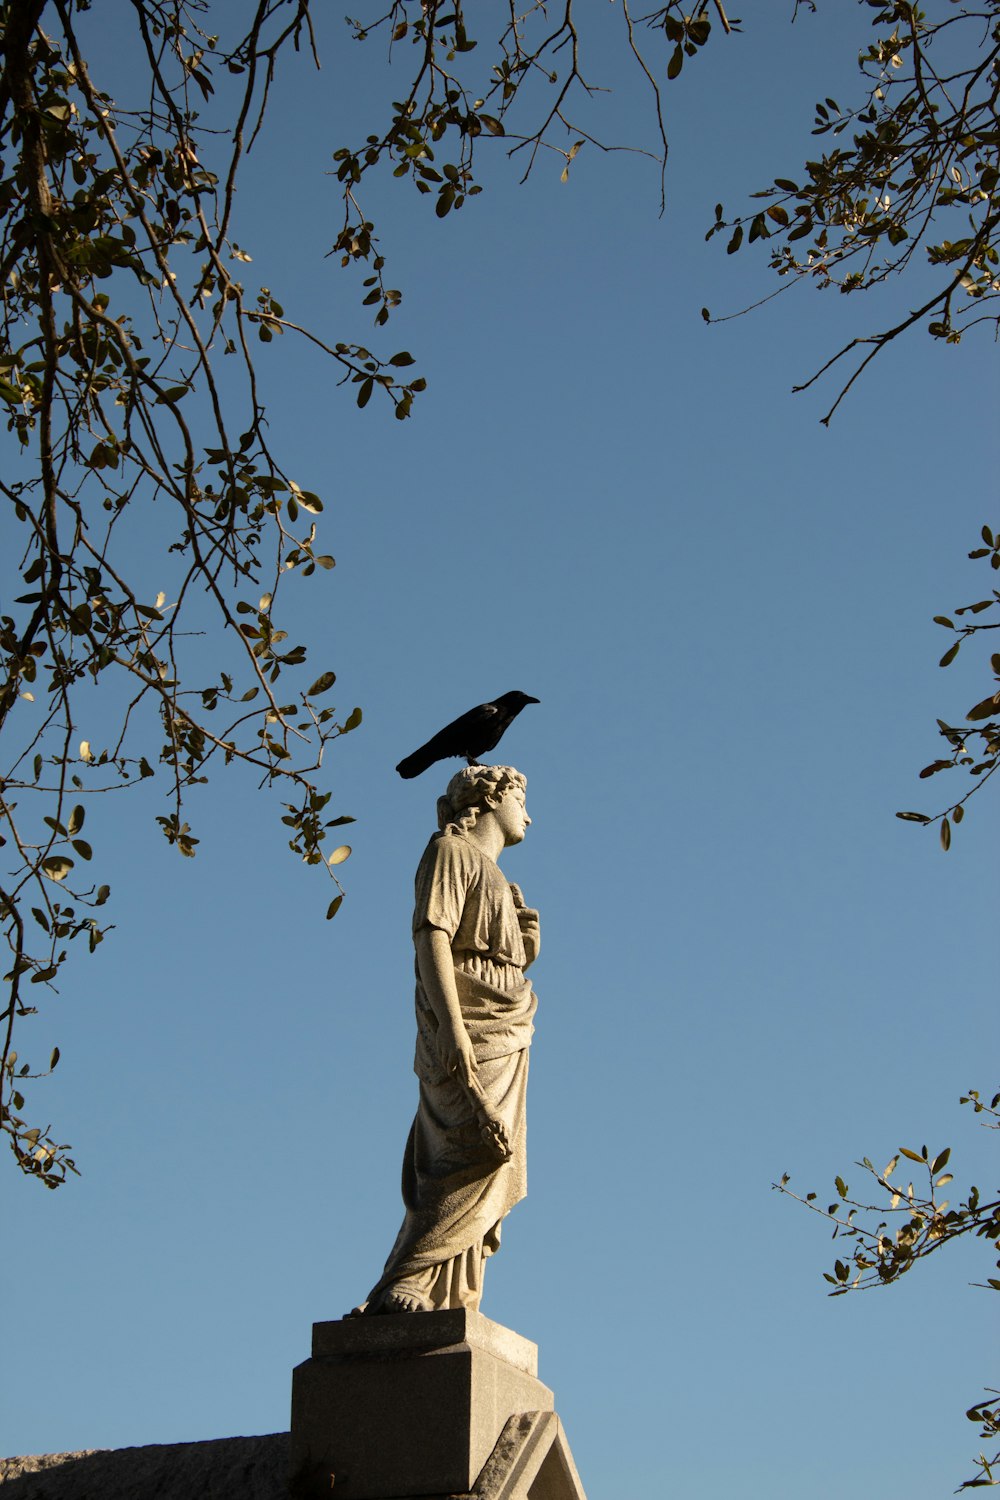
x=425, y=1404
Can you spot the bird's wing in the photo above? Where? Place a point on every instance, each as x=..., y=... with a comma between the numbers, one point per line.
x=451, y=740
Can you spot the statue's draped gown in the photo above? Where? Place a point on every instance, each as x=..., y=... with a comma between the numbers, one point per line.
x=455, y=1192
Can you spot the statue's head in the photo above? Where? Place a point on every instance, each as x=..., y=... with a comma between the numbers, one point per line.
x=475, y=790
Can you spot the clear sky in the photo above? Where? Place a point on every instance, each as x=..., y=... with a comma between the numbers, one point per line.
x=749, y=965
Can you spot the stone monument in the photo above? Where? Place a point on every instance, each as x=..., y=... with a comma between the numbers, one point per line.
x=416, y=1393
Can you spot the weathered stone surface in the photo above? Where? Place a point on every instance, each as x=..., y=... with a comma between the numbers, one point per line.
x=531, y=1461
x=398, y=1334
x=384, y=1418
x=239, y=1468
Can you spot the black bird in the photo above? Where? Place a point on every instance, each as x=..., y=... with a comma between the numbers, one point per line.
x=471, y=735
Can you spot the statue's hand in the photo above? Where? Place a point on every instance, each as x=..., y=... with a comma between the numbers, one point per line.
x=457, y=1055
x=527, y=920
x=530, y=934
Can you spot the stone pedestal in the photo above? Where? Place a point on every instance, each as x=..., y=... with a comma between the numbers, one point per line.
x=425, y=1404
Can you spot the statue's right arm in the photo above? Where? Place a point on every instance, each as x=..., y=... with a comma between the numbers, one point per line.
x=437, y=975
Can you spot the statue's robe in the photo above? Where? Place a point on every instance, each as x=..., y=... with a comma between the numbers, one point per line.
x=455, y=1192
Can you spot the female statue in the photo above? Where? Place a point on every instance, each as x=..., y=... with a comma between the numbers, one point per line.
x=465, y=1163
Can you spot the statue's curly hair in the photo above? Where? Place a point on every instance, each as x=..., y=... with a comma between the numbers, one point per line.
x=472, y=791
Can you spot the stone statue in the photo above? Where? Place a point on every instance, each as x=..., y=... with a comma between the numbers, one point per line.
x=465, y=1162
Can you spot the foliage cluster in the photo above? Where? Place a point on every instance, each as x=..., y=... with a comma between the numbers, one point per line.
x=905, y=1225
x=915, y=161
x=121, y=290
x=975, y=745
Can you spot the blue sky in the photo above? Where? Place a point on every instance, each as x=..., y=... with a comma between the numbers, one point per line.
x=749, y=965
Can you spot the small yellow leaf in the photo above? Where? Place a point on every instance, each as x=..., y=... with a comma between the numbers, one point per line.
x=85, y=751
x=339, y=855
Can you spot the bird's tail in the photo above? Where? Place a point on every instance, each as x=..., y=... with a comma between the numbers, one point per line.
x=414, y=764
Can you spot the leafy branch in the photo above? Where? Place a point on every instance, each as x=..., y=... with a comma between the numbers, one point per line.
x=901, y=1226
x=920, y=151
x=974, y=746
x=525, y=95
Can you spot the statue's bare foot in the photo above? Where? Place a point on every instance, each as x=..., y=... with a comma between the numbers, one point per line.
x=396, y=1300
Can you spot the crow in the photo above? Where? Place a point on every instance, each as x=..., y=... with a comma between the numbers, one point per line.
x=471, y=735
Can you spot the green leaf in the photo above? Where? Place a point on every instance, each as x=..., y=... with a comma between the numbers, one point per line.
x=56, y=867
x=322, y=684
x=736, y=241
x=985, y=709
x=334, y=907
x=910, y=1155
x=83, y=849
x=365, y=391
x=75, y=820
x=941, y=1161
x=935, y=766
x=352, y=721
x=949, y=655
x=945, y=834
x=676, y=62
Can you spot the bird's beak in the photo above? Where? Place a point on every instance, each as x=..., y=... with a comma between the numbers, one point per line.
x=531, y=700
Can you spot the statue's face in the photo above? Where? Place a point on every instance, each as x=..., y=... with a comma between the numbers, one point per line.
x=512, y=816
